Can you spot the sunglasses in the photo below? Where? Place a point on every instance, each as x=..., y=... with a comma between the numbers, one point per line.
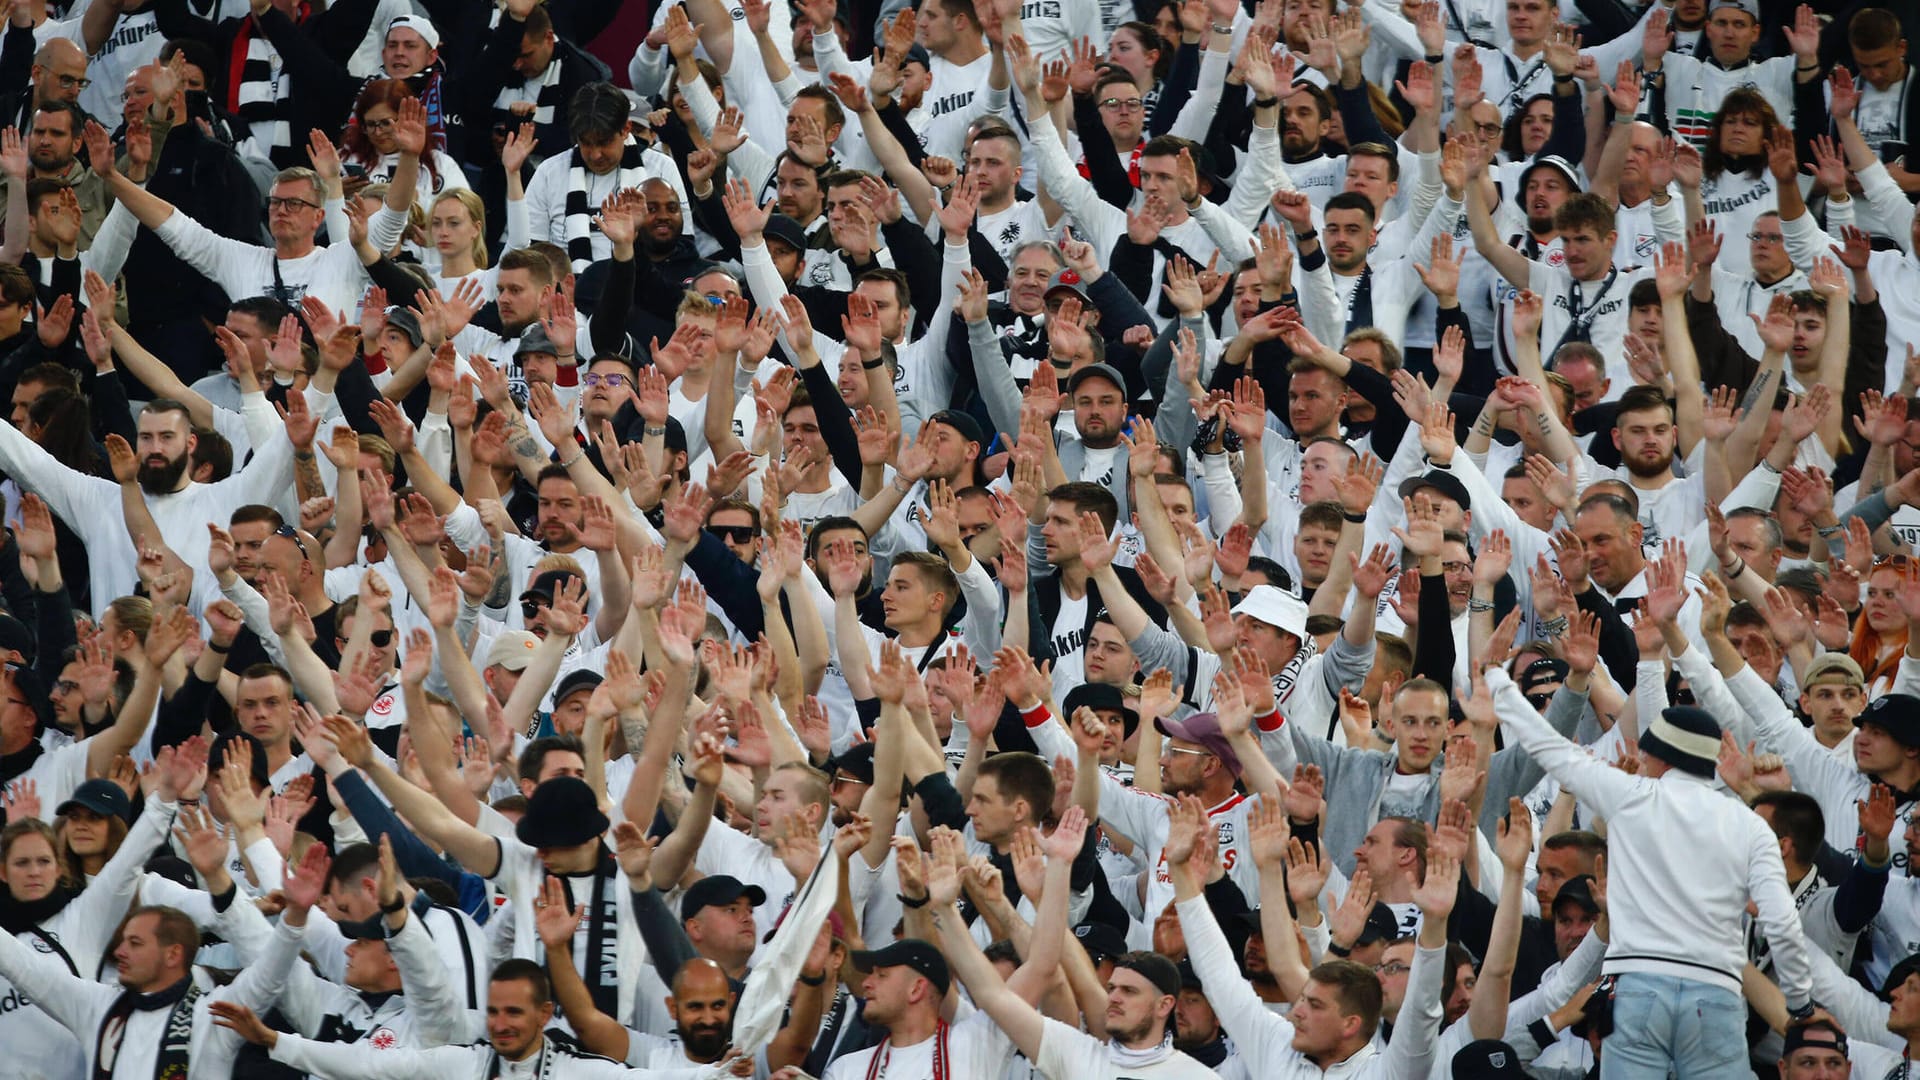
x=739, y=534
x=380, y=639
x=530, y=609
x=612, y=378
x=1540, y=700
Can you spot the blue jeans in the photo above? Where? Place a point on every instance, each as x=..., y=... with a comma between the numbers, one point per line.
x=1660, y=1022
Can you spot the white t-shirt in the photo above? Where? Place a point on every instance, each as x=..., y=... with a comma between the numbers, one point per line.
x=976, y=1049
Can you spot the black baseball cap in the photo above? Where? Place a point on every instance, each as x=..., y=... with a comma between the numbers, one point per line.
x=1443, y=482
x=1580, y=891
x=857, y=762
x=718, y=890
x=967, y=426
x=786, y=230
x=913, y=953
x=1382, y=925
x=546, y=584
x=1487, y=1059
x=1101, y=941
x=577, y=680
x=1100, y=371
x=102, y=796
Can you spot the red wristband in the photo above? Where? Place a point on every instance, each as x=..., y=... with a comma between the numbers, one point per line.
x=1270, y=722
x=1037, y=715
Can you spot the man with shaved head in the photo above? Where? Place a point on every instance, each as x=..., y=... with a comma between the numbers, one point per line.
x=59, y=74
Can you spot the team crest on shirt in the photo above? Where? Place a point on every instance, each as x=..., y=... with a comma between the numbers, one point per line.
x=42, y=944
x=383, y=1039
x=1555, y=257
x=1645, y=245
x=383, y=705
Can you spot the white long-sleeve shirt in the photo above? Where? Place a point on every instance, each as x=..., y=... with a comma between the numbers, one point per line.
x=1686, y=862
x=333, y=273
x=81, y=1006
x=91, y=507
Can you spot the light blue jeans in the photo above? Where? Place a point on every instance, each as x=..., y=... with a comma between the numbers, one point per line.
x=1662, y=1023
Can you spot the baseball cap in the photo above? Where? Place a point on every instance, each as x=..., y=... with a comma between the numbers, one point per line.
x=1580, y=891
x=102, y=796
x=1381, y=925
x=1100, y=940
x=1487, y=1059
x=911, y=953
x=1203, y=729
x=718, y=890
x=1443, y=482
x=786, y=230
x=1833, y=667
x=26, y=682
x=534, y=339
x=1751, y=7
x=1267, y=604
x=417, y=24
x=967, y=427
x=1068, y=279
x=546, y=584
x=512, y=650
x=1102, y=371
x=577, y=680
x=857, y=762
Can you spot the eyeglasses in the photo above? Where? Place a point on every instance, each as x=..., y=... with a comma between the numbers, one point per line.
x=377, y=125
x=1171, y=749
x=66, y=686
x=739, y=534
x=842, y=780
x=1766, y=238
x=275, y=202
x=1124, y=105
x=1488, y=129
x=530, y=609
x=612, y=379
x=380, y=638
x=69, y=82
x=1456, y=567
x=1395, y=968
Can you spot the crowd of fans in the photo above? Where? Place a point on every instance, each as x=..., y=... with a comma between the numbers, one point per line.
x=1367, y=539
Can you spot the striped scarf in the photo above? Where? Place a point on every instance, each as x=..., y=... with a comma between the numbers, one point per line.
x=544, y=92
x=580, y=225
x=261, y=93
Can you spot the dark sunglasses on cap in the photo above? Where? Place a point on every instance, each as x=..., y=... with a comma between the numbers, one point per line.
x=739, y=534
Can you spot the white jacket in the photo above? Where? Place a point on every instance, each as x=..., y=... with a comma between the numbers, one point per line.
x=1683, y=862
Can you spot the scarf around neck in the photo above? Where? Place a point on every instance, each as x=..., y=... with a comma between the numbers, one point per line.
x=1124, y=1057
x=22, y=916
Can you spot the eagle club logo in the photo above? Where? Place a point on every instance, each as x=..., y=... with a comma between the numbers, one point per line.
x=383, y=1039
x=1556, y=258
x=383, y=705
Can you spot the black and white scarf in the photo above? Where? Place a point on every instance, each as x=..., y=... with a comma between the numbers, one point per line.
x=600, y=967
x=580, y=223
x=261, y=94
x=543, y=91
x=175, y=1041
